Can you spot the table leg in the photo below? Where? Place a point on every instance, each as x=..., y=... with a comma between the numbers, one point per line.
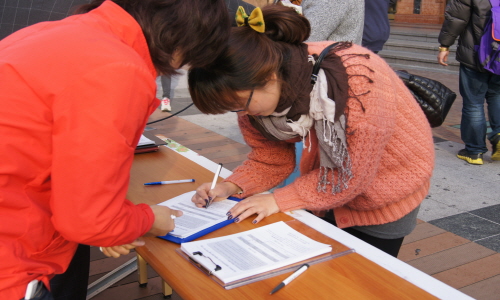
x=167, y=290
x=142, y=271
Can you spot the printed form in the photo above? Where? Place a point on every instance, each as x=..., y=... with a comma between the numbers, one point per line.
x=195, y=219
x=253, y=252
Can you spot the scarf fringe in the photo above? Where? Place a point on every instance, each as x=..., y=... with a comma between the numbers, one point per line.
x=341, y=160
x=304, y=146
x=342, y=182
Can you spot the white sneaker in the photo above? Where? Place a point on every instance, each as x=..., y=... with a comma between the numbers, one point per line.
x=165, y=104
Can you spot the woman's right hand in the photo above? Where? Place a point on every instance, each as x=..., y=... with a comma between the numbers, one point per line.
x=163, y=223
x=221, y=191
x=443, y=57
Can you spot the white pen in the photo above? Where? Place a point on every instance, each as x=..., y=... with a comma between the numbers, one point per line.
x=169, y=182
x=301, y=270
x=214, y=182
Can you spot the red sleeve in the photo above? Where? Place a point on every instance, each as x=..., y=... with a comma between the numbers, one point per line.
x=268, y=163
x=97, y=123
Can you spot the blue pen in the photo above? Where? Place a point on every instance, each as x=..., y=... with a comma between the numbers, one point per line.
x=169, y=182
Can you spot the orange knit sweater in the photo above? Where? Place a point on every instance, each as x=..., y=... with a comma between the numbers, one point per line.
x=390, y=144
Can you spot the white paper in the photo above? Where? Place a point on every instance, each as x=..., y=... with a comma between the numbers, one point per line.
x=254, y=251
x=145, y=141
x=195, y=219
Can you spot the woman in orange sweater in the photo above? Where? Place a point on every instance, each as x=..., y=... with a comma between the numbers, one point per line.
x=368, y=151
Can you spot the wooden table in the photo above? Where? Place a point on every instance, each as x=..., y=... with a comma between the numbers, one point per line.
x=348, y=277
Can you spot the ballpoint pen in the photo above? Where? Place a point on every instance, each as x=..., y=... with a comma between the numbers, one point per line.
x=299, y=271
x=214, y=182
x=169, y=182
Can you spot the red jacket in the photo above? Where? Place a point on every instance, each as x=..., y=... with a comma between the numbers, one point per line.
x=75, y=96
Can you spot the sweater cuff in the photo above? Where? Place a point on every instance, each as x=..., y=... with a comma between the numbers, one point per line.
x=244, y=183
x=288, y=198
x=150, y=217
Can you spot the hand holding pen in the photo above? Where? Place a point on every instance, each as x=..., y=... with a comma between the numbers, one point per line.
x=213, y=191
x=214, y=182
x=221, y=191
x=163, y=223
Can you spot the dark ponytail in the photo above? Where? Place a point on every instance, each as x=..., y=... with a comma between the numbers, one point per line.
x=284, y=24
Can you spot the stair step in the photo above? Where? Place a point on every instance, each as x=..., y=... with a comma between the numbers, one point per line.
x=411, y=68
x=430, y=36
x=428, y=28
x=413, y=59
x=419, y=26
x=416, y=47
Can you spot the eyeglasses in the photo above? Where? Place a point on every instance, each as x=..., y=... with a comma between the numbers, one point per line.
x=248, y=102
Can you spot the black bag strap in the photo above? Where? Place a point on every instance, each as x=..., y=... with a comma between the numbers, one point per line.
x=316, y=67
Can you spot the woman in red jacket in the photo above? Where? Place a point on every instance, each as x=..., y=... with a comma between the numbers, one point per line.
x=368, y=152
x=75, y=96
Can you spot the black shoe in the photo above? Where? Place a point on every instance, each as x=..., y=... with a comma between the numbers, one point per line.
x=474, y=159
x=495, y=142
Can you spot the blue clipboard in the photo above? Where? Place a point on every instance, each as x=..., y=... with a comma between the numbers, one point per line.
x=198, y=234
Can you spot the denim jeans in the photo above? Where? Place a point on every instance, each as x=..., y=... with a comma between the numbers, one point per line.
x=475, y=87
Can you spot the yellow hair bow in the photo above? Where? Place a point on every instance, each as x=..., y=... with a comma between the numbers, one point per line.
x=255, y=20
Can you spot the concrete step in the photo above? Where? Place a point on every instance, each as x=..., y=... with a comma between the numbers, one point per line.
x=410, y=68
x=416, y=47
x=420, y=32
x=430, y=35
x=422, y=61
x=413, y=26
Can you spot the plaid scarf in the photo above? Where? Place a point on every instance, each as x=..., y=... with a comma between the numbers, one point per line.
x=323, y=108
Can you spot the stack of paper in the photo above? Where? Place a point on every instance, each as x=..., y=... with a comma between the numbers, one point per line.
x=245, y=254
x=195, y=221
x=145, y=145
x=144, y=141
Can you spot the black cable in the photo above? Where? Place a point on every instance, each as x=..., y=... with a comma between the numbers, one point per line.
x=171, y=115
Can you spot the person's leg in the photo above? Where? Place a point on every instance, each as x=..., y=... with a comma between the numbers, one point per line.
x=389, y=246
x=72, y=284
x=473, y=88
x=493, y=100
x=166, y=87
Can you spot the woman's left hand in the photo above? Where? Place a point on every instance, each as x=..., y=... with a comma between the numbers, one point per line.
x=117, y=251
x=263, y=205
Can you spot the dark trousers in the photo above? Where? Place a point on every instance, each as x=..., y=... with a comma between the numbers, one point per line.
x=72, y=284
x=42, y=293
x=389, y=246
